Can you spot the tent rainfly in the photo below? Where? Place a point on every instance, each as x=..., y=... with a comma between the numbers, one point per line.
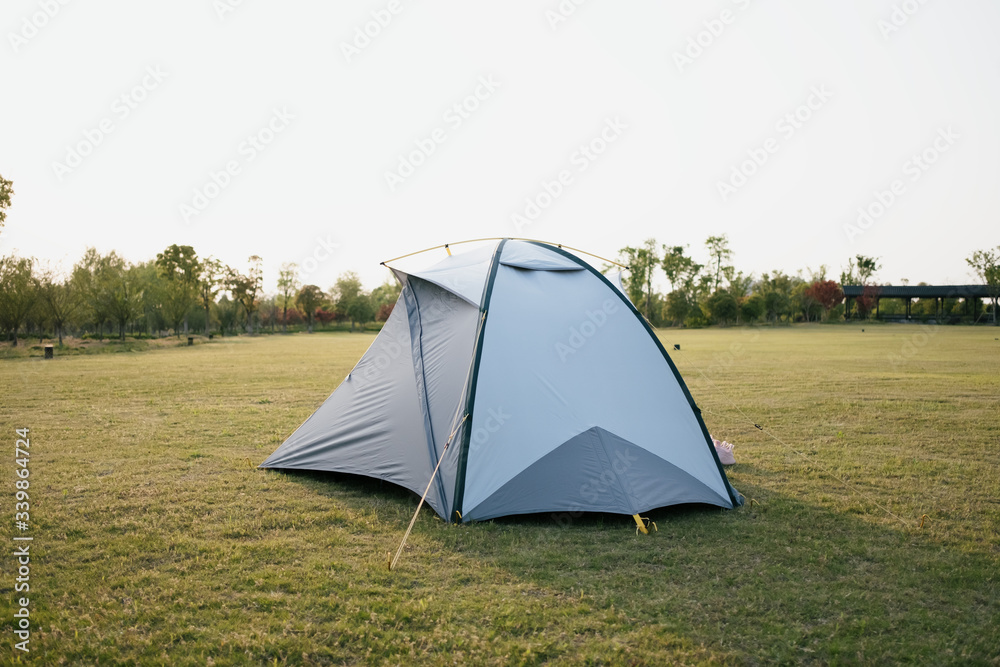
x=530, y=382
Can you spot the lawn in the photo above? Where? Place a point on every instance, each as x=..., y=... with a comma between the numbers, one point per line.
x=871, y=533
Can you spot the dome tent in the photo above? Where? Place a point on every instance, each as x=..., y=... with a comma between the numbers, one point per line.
x=513, y=379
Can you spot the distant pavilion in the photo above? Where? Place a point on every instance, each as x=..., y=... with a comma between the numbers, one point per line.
x=971, y=296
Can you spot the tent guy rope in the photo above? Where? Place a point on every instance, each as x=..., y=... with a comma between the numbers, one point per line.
x=851, y=487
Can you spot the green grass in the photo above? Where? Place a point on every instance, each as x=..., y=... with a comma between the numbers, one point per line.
x=158, y=541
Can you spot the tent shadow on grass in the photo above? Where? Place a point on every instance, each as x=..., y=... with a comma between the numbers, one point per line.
x=784, y=580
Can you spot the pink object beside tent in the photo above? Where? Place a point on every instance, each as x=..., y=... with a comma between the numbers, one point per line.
x=725, y=452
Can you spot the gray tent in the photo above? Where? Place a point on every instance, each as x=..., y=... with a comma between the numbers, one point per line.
x=533, y=380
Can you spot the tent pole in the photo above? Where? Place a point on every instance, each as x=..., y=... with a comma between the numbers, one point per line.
x=406, y=535
x=500, y=238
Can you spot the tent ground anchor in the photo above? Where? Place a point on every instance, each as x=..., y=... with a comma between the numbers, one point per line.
x=642, y=524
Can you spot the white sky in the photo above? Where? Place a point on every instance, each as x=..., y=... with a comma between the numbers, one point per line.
x=678, y=131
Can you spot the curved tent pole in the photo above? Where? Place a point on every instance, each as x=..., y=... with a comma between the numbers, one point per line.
x=447, y=247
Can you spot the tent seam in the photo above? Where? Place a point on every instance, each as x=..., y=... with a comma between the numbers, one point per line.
x=425, y=403
x=463, y=456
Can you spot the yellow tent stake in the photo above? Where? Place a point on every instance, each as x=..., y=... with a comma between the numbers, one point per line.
x=640, y=524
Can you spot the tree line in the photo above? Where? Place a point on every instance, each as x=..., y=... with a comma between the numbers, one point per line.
x=179, y=292
x=715, y=292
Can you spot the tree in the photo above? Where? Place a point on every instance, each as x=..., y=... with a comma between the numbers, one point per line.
x=677, y=307
x=154, y=294
x=210, y=279
x=677, y=266
x=361, y=310
x=384, y=298
x=826, y=293
x=818, y=275
x=722, y=307
x=867, y=300
x=867, y=267
x=18, y=292
x=986, y=265
x=776, y=291
x=683, y=275
x=386, y=294
x=288, y=285
x=85, y=278
x=848, y=275
x=295, y=315
x=120, y=290
x=180, y=268
x=642, y=262
x=6, y=190
x=309, y=299
x=229, y=312
x=752, y=308
x=809, y=307
x=350, y=298
x=60, y=299
x=718, y=251
x=247, y=288
x=324, y=316
x=738, y=283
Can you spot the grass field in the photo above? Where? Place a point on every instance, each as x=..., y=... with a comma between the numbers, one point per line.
x=158, y=541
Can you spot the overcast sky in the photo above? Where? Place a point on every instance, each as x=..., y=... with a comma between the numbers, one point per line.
x=337, y=135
